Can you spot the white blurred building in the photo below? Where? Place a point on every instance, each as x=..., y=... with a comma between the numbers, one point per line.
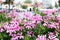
x=47, y=3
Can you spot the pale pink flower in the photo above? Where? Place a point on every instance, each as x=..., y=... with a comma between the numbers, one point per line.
x=28, y=27
x=20, y=36
x=42, y=37
x=55, y=39
x=1, y=30
x=30, y=33
x=58, y=18
x=48, y=12
x=52, y=25
x=36, y=18
x=51, y=36
x=45, y=24
x=27, y=15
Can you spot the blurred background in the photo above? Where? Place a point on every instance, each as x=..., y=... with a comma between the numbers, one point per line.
x=29, y=4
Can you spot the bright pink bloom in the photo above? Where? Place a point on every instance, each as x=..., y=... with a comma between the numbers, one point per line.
x=36, y=18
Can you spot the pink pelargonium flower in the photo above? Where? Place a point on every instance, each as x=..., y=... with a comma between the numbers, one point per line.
x=14, y=38
x=13, y=35
x=47, y=17
x=13, y=29
x=51, y=36
x=28, y=27
x=55, y=39
x=14, y=21
x=52, y=25
x=3, y=10
x=14, y=13
x=36, y=18
x=1, y=30
x=52, y=18
x=30, y=24
x=45, y=24
x=20, y=36
x=27, y=15
x=58, y=18
x=30, y=33
x=48, y=11
x=42, y=37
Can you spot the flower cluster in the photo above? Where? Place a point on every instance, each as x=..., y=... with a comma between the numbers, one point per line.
x=31, y=27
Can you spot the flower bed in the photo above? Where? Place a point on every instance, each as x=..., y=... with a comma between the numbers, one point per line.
x=31, y=27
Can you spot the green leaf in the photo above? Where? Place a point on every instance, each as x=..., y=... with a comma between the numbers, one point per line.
x=32, y=38
x=26, y=37
x=59, y=36
x=42, y=29
x=1, y=37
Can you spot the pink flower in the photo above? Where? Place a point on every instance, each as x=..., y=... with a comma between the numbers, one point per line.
x=20, y=36
x=27, y=15
x=30, y=33
x=58, y=18
x=42, y=37
x=3, y=11
x=36, y=18
x=19, y=20
x=51, y=36
x=55, y=39
x=48, y=11
x=1, y=30
x=52, y=25
x=28, y=27
x=14, y=21
x=15, y=14
x=45, y=24
x=13, y=35
x=30, y=24
x=12, y=27
x=14, y=38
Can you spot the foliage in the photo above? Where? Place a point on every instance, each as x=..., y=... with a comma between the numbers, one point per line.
x=3, y=18
x=28, y=1
x=8, y=1
x=59, y=3
x=24, y=6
